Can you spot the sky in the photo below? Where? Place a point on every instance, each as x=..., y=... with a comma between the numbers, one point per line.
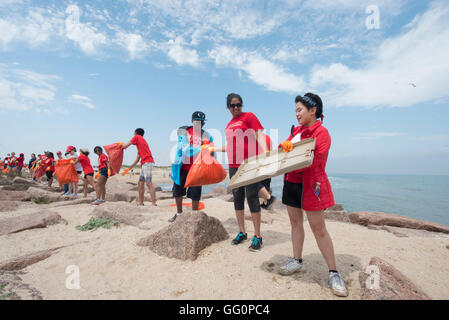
x=87, y=73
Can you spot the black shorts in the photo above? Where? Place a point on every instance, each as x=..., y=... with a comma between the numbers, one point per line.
x=193, y=193
x=79, y=172
x=89, y=174
x=104, y=172
x=265, y=183
x=49, y=174
x=252, y=195
x=292, y=194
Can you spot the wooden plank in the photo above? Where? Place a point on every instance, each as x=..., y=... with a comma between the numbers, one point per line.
x=274, y=163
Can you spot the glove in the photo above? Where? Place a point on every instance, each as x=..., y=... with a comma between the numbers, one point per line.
x=126, y=171
x=120, y=144
x=287, y=146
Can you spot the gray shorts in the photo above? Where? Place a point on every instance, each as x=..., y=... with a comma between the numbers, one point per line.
x=146, y=174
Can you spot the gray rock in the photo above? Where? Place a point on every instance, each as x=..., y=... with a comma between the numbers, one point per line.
x=186, y=237
x=39, y=219
x=22, y=262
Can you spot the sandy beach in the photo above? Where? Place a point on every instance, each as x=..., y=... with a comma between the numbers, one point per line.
x=113, y=266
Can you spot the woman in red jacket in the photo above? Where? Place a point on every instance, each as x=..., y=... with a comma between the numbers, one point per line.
x=309, y=190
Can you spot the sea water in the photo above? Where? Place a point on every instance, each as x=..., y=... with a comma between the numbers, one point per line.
x=420, y=197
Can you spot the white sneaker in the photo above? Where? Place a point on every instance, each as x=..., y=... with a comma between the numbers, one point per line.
x=290, y=267
x=337, y=284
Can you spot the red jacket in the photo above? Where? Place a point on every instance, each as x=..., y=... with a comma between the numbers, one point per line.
x=316, y=172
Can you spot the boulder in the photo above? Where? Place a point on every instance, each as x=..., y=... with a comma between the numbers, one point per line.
x=392, y=284
x=89, y=190
x=186, y=237
x=395, y=220
x=336, y=213
x=22, y=262
x=20, y=180
x=7, y=206
x=39, y=219
x=38, y=194
x=14, y=195
x=123, y=212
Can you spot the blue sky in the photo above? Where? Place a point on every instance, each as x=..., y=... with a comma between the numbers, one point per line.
x=88, y=73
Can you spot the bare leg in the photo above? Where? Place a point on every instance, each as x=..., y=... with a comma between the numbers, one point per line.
x=240, y=215
x=103, y=195
x=141, y=193
x=322, y=237
x=152, y=193
x=85, y=187
x=296, y=221
x=90, y=180
x=256, y=222
x=195, y=205
x=179, y=204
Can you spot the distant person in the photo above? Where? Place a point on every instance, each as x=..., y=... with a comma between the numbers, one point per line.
x=84, y=160
x=65, y=186
x=12, y=164
x=146, y=162
x=103, y=166
x=50, y=168
x=243, y=134
x=32, y=159
x=309, y=189
x=73, y=187
x=193, y=137
x=20, y=163
x=5, y=163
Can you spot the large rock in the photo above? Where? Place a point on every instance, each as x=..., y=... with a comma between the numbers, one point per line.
x=38, y=194
x=14, y=195
x=7, y=206
x=123, y=212
x=22, y=262
x=395, y=220
x=393, y=285
x=20, y=180
x=187, y=236
x=40, y=219
x=337, y=213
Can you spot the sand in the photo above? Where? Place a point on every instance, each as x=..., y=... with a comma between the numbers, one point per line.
x=112, y=266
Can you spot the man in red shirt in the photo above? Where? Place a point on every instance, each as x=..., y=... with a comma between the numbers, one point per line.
x=146, y=162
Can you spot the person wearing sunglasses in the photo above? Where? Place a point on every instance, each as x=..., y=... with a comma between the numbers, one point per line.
x=243, y=136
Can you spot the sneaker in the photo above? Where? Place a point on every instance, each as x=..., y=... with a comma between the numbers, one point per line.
x=269, y=203
x=337, y=284
x=96, y=202
x=240, y=238
x=256, y=244
x=290, y=267
x=172, y=219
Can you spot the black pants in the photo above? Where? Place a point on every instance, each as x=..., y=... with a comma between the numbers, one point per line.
x=252, y=195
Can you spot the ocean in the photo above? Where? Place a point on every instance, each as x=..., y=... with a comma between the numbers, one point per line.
x=420, y=197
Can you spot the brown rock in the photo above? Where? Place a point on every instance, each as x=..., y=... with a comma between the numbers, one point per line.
x=14, y=195
x=6, y=206
x=38, y=194
x=336, y=215
x=393, y=285
x=187, y=236
x=447, y=247
x=40, y=219
x=20, y=180
x=336, y=207
x=19, y=263
x=394, y=220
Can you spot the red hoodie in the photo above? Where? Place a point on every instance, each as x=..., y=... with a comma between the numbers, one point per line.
x=316, y=173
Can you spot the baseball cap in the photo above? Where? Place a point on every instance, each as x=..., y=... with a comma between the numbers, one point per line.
x=70, y=148
x=198, y=116
x=59, y=152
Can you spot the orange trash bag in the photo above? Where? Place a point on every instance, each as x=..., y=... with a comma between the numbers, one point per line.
x=205, y=170
x=66, y=172
x=115, y=155
x=201, y=205
x=39, y=172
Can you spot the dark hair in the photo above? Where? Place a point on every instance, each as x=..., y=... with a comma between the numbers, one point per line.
x=85, y=153
x=315, y=98
x=232, y=96
x=139, y=131
x=98, y=148
x=51, y=155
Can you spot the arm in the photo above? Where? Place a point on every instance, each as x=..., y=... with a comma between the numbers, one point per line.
x=135, y=162
x=126, y=145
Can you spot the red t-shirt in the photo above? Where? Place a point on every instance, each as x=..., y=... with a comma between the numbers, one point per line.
x=20, y=161
x=195, y=141
x=143, y=149
x=85, y=163
x=240, y=138
x=49, y=164
x=102, y=159
x=12, y=161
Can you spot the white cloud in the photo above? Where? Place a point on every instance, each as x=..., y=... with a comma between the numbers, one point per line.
x=258, y=69
x=133, y=43
x=418, y=56
x=83, y=100
x=22, y=90
x=182, y=55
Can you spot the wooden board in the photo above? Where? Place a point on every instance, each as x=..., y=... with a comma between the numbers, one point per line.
x=274, y=163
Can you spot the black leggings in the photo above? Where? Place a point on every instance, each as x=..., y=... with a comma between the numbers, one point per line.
x=252, y=195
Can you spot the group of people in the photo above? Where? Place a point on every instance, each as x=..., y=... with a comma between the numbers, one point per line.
x=12, y=164
x=307, y=190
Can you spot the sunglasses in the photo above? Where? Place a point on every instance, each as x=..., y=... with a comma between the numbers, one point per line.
x=232, y=105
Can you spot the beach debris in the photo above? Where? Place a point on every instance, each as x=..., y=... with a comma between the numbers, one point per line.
x=395, y=220
x=39, y=219
x=22, y=262
x=186, y=237
x=382, y=281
